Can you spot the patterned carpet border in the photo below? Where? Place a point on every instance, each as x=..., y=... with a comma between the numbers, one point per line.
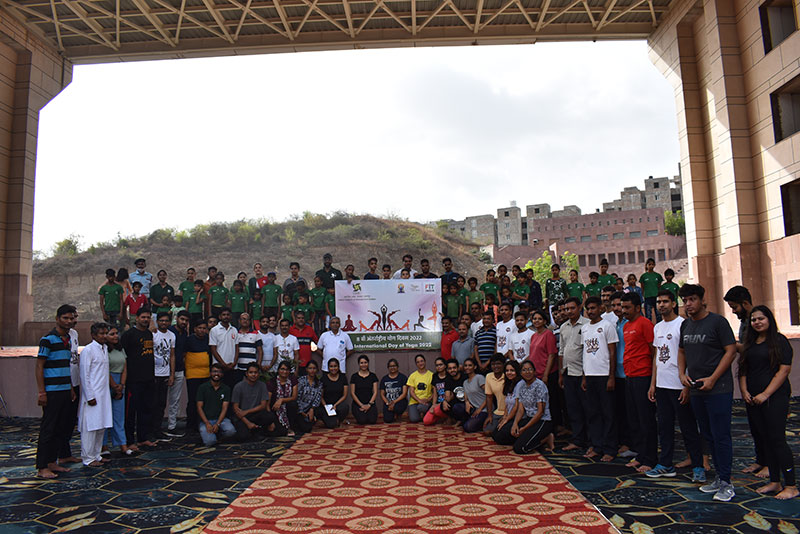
x=408, y=479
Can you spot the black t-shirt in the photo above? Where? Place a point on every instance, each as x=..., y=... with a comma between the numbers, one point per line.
x=393, y=386
x=138, y=346
x=332, y=390
x=439, y=387
x=456, y=385
x=704, y=343
x=363, y=386
x=180, y=347
x=370, y=276
x=759, y=370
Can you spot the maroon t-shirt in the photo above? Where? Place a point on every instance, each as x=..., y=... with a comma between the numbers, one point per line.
x=304, y=337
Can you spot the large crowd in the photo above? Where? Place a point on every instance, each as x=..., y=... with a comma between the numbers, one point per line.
x=609, y=366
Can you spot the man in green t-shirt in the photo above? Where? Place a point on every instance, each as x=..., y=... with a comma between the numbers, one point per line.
x=213, y=399
x=490, y=286
x=160, y=291
x=474, y=295
x=318, y=294
x=218, y=294
x=594, y=288
x=605, y=279
x=651, y=283
x=196, y=301
x=239, y=300
x=111, y=298
x=186, y=288
x=272, y=295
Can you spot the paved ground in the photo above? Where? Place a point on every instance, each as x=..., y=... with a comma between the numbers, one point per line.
x=180, y=487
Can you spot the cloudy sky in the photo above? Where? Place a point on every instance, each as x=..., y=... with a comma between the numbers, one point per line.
x=424, y=134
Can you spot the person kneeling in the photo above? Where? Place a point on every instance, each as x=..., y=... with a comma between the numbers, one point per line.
x=251, y=414
x=531, y=424
x=213, y=398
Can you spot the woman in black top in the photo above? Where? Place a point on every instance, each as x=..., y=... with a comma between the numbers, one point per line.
x=334, y=393
x=764, y=380
x=364, y=389
x=439, y=386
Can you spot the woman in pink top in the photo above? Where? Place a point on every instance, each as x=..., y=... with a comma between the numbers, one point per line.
x=543, y=346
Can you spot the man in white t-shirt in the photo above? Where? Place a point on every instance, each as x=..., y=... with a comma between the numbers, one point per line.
x=670, y=396
x=519, y=343
x=164, y=357
x=505, y=327
x=599, y=365
x=407, y=261
x=286, y=347
x=267, y=344
x=334, y=344
x=222, y=341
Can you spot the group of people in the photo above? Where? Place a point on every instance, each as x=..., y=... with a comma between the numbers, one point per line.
x=610, y=366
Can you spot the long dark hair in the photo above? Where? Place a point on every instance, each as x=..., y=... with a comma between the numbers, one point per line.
x=509, y=385
x=773, y=340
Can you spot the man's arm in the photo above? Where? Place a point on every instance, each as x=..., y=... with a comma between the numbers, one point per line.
x=103, y=306
x=217, y=357
x=223, y=412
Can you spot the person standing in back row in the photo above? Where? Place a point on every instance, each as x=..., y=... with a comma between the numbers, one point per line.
x=707, y=348
x=137, y=343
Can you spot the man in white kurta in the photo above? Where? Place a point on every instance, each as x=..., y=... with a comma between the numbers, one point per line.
x=94, y=410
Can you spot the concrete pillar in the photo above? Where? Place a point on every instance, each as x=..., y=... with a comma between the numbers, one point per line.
x=712, y=53
x=31, y=74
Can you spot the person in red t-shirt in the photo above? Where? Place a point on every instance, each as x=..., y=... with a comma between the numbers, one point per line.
x=638, y=364
x=305, y=335
x=449, y=335
x=134, y=301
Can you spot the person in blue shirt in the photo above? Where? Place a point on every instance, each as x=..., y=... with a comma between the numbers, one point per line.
x=55, y=393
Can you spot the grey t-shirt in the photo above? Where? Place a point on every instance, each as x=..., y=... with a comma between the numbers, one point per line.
x=474, y=390
x=704, y=343
x=462, y=350
x=247, y=396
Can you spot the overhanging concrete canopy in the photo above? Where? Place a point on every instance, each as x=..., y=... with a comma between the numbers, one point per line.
x=92, y=31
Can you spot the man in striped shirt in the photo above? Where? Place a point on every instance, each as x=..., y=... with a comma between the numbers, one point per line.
x=485, y=341
x=248, y=348
x=55, y=392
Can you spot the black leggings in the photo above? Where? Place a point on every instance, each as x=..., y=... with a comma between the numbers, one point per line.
x=770, y=420
x=370, y=417
x=526, y=442
x=332, y=421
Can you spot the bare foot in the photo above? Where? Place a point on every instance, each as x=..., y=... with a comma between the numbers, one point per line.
x=563, y=432
x=95, y=464
x=606, y=458
x=764, y=473
x=643, y=469
x=291, y=433
x=105, y=460
x=769, y=488
x=133, y=448
x=146, y=443
x=570, y=447
x=752, y=468
x=789, y=492
x=622, y=449
x=46, y=473
x=57, y=468
x=632, y=463
x=706, y=463
x=549, y=443
x=590, y=454
x=685, y=463
x=69, y=460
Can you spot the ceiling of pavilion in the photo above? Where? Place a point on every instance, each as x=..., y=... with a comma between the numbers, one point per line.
x=122, y=30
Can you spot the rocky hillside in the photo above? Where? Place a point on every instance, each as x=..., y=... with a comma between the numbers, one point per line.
x=234, y=247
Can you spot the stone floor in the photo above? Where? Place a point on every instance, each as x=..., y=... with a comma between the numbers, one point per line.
x=179, y=487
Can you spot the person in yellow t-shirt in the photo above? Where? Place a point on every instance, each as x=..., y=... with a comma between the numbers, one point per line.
x=420, y=390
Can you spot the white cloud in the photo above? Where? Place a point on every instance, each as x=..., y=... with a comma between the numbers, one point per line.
x=424, y=133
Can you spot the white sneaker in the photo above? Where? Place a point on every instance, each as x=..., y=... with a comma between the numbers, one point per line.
x=713, y=487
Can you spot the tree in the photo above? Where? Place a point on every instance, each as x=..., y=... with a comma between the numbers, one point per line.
x=69, y=246
x=570, y=261
x=674, y=223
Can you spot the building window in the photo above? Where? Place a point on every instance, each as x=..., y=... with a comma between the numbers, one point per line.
x=602, y=237
x=506, y=225
x=794, y=301
x=474, y=233
x=656, y=218
x=631, y=257
x=569, y=239
x=641, y=256
x=535, y=210
x=612, y=259
x=615, y=221
x=474, y=223
x=592, y=223
x=592, y=260
x=584, y=225
x=662, y=255
x=648, y=219
x=656, y=197
x=640, y=219
x=524, y=226
x=582, y=260
x=618, y=235
x=508, y=237
x=585, y=238
x=651, y=233
x=636, y=234
x=777, y=22
x=786, y=109
x=505, y=214
x=621, y=258
x=790, y=198
x=562, y=226
x=656, y=185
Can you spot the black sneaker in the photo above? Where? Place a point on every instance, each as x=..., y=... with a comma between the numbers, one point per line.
x=174, y=433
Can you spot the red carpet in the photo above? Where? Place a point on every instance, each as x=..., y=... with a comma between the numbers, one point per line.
x=408, y=479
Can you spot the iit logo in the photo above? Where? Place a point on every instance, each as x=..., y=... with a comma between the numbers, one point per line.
x=430, y=288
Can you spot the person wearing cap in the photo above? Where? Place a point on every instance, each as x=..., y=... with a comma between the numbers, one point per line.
x=141, y=275
x=329, y=274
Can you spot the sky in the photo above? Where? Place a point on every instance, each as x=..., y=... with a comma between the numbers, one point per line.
x=417, y=133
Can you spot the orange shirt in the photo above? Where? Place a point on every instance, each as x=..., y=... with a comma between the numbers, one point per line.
x=638, y=357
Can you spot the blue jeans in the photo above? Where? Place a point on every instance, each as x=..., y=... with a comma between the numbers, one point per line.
x=226, y=428
x=650, y=307
x=117, y=432
x=713, y=414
